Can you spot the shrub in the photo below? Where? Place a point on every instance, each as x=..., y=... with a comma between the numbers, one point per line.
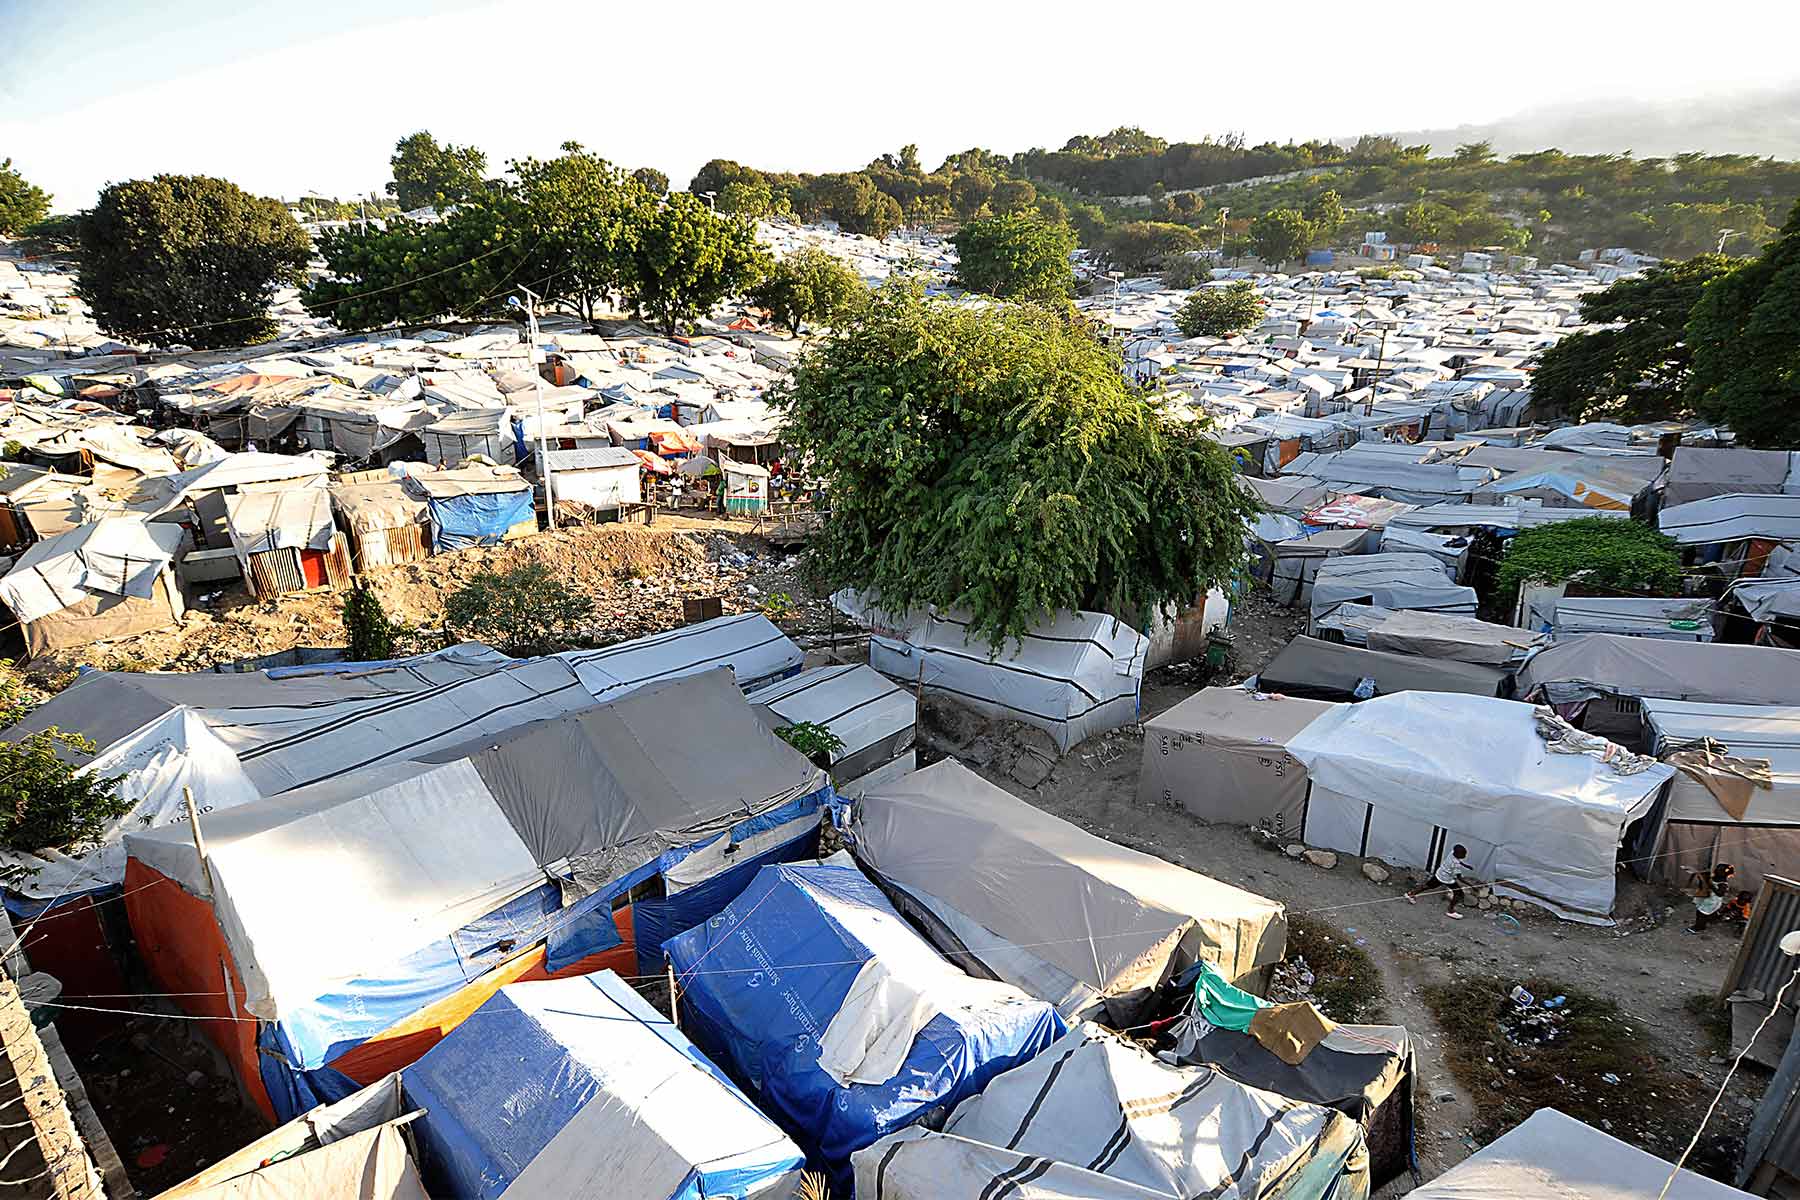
x=369, y=632
x=1603, y=553
x=521, y=610
x=1220, y=311
x=46, y=803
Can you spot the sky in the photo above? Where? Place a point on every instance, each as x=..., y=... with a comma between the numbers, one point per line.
x=310, y=96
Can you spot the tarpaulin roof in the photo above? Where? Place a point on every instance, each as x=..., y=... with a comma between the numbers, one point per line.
x=115, y=556
x=1495, y=516
x=1689, y=619
x=1451, y=636
x=1292, y=494
x=1222, y=754
x=1397, y=580
x=241, y=470
x=620, y=1103
x=749, y=643
x=1544, y=826
x=1697, y=472
x=1753, y=731
x=1732, y=518
x=1099, y=1117
x=467, y=481
x=806, y=950
x=1067, y=916
x=1550, y=1156
x=293, y=520
x=859, y=704
x=1601, y=664
x=1324, y=670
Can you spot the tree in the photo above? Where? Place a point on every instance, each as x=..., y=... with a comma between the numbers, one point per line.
x=369, y=633
x=1140, y=247
x=1639, y=370
x=429, y=173
x=187, y=259
x=1012, y=195
x=579, y=212
x=21, y=203
x=1472, y=153
x=749, y=198
x=1602, y=554
x=684, y=258
x=1220, y=312
x=1280, y=235
x=58, y=236
x=1425, y=222
x=46, y=802
x=811, y=285
x=995, y=460
x=1018, y=256
x=652, y=180
x=1325, y=214
x=523, y=610
x=1745, y=338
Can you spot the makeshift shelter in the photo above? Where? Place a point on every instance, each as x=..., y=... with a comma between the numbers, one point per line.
x=1011, y=892
x=1403, y=778
x=383, y=525
x=746, y=486
x=1098, y=1117
x=1697, y=472
x=1452, y=637
x=1295, y=562
x=483, y=432
x=757, y=652
x=1549, y=1156
x=1734, y=517
x=109, y=579
x=1400, y=580
x=604, y=478
x=1073, y=676
x=556, y=848
x=1322, y=670
x=873, y=717
x=620, y=1104
x=1222, y=755
x=1293, y=495
x=842, y=1022
x=475, y=506
x=1670, y=618
x=1366, y=1072
x=1737, y=801
x=285, y=541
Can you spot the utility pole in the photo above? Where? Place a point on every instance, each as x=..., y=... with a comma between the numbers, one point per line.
x=1380, y=357
x=537, y=378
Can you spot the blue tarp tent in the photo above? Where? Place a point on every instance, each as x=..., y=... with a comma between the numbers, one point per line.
x=577, y=1087
x=811, y=959
x=475, y=505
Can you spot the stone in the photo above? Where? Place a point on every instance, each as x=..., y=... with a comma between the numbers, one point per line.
x=1443, y=1095
x=1375, y=872
x=196, y=1078
x=1030, y=770
x=1321, y=858
x=1485, y=904
x=1295, y=851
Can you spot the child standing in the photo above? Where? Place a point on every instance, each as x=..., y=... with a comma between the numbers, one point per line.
x=1449, y=876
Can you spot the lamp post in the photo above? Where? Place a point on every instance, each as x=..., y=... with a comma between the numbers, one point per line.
x=1224, y=211
x=529, y=305
x=1725, y=235
x=709, y=197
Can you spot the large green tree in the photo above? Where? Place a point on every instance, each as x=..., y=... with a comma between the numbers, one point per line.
x=1220, y=311
x=1017, y=256
x=811, y=285
x=187, y=259
x=1141, y=247
x=1744, y=334
x=996, y=460
x=1280, y=236
x=683, y=259
x=580, y=214
x=429, y=172
x=1637, y=370
x=21, y=202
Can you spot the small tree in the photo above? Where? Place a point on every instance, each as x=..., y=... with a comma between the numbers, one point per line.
x=684, y=258
x=1018, y=256
x=188, y=259
x=21, y=203
x=810, y=285
x=47, y=803
x=522, y=610
x=1600, y=553
x=750, y=197
x=1140, y=247
x=815, y=741
x=428, y=172
x=1325, y=215
x=1186, y=272
x=652, y=180
x=1220, y=311
x=368, y=630
x=1280, y=236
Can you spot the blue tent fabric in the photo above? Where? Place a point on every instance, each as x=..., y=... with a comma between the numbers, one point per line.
x=760, y=983
x=477, y=520
x=637, y=1105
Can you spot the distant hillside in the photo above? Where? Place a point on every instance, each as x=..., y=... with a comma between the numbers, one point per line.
x=1764, y=124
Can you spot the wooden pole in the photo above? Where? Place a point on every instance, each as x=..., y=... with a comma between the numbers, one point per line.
x=187, y=798
x=674, y=1010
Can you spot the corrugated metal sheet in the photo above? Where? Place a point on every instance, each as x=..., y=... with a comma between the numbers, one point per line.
x=276, y=572
x=1760, y=964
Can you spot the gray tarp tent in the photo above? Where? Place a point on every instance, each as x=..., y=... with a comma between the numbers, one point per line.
x=1611, y=666
x=1295, y=563
x=1399, y=580
x=1097, y=1117
x=1732, y=518
x=870, y=714
x=1222, y=755
x=1028, y=898
x=1671, y=618
x=1697, y=472
x=1555, y=1157
x=1322, y=670
x=1452, y=637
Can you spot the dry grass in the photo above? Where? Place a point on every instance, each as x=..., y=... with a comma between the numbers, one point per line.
x=1347, y=985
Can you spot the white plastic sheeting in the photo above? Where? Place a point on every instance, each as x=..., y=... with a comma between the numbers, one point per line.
x=1405, y=777
x=1073, y=676
x=1401, y=580
x=871, y=715
x=756, y=651
x=1732, y=518
x=117, y=556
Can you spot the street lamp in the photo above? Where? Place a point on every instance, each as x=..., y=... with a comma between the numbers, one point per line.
x=1725, y=235
x=1224, y=211
x=529, y=306
x=709, y=200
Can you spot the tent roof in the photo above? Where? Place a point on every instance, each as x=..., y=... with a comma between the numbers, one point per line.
x=1451, y=636
x=1598, y=664
x=1330, y=671
x=856, y=702
x=1733, y=517
x=1553, y=1157
x=299, y=519
x=1697, y=472
x=115, y=556
x=1395, y=580
x=1108, y=918
x=1637, y=616
x=1234, y=715
x=468, y=481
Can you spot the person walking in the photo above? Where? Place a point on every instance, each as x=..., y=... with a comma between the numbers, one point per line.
x=1448, y=877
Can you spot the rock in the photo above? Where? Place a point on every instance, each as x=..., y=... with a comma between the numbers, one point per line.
x=1485, y=904
x=1294, y=851
x=1443, y=1095
x=1375, y=872
x=1030, y=770
x=196, y=1078
x=1321, y=858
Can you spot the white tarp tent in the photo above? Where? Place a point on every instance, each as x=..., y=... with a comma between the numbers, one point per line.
x=869, y=713
x=749, y=643
x=1733, y=518
x=1397, y=581
x=108, y=579
x=1405, y=777
x=1073, y=676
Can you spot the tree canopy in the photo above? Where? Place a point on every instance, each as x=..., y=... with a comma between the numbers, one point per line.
x=1604, y=554
x=427, y=172
x=47, y=803
x=1140, y=247
x=1744, y=335
x=1015, y=256
x=21, y=202
x=187, y=259
x=581, y=215
x=412, y=273
x=683, y=258
x=1639, y=370
x=995, y=460
x=1280, y=236
x=1220, y=311
x=810, y=285
x=651, y=180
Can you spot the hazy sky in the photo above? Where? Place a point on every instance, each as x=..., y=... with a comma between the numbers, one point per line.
x=310, y=95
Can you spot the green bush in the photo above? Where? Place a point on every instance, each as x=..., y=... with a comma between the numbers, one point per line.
x=522, y=610
x=1220, y=311
x=1602, y=553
